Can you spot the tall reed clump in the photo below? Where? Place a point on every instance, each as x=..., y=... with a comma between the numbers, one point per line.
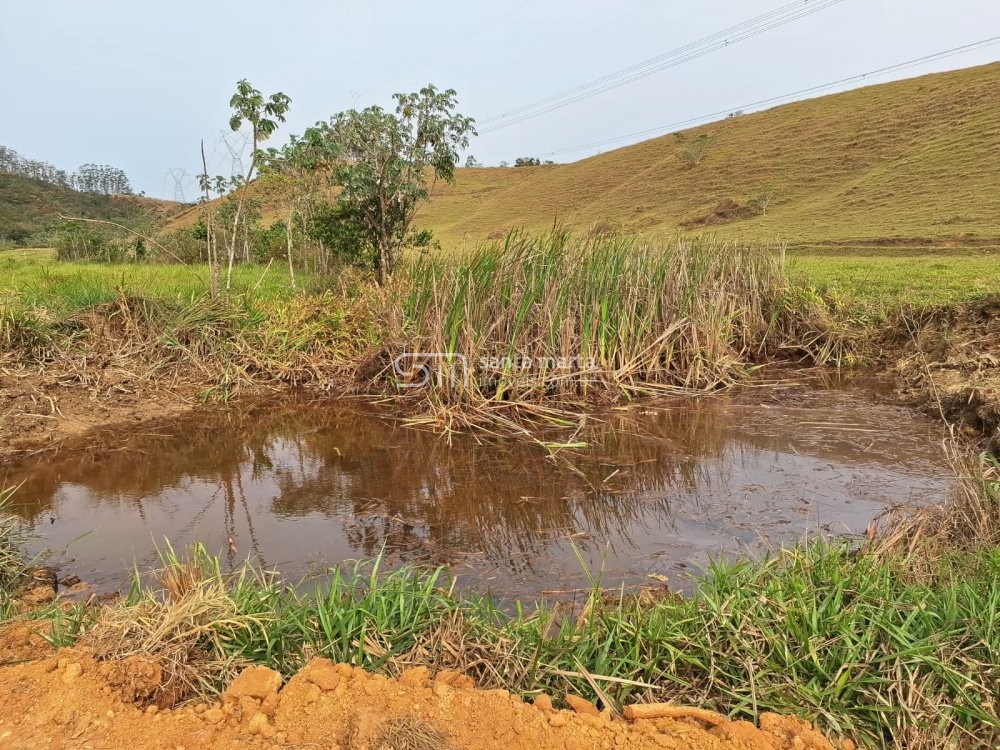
x=12, y=564
x=557, y=319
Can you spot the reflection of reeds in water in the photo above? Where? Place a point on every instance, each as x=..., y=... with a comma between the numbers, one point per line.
x=400, y=487
x=420, y=497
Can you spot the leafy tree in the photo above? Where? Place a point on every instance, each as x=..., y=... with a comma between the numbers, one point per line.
x=263, y=115
x=102, y=179
x=303, y=165
x=383, y=162
x=471, y=161
x=208, y=185
x=89, y=178
x=527, y=161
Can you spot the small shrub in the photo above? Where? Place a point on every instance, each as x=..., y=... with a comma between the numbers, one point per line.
x=184, y=245
x=336, y=225
x=98, y=244
x=695, y=153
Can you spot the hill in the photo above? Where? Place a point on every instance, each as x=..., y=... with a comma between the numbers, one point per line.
x=907, y=164
x=30, y=208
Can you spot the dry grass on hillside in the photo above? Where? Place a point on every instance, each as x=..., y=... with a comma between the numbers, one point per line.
x=905, y=164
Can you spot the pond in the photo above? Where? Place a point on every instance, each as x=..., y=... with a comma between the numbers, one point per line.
x=658, y=490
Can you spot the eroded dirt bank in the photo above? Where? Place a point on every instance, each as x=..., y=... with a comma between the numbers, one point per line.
x=68, y=699
x=950, y=366
x=41, y=407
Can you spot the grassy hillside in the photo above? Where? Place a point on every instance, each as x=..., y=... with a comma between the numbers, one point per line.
x=912, y=164
x=30, y=208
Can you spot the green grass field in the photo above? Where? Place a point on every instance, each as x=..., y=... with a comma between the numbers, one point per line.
x=895, y=280
x=34, y=278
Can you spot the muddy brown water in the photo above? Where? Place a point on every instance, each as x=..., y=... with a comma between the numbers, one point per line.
x=659, y=489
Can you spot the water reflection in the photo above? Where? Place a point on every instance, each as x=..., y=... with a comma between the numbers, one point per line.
x=658, y=489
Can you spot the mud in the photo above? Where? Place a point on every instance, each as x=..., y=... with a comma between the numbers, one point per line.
x=43, y=407
x=70, y=700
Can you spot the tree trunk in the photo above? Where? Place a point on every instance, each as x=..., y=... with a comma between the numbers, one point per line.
x=232, y=242
x=288, y=234
x=239, y=210
x=213, y=260
x=383, y=263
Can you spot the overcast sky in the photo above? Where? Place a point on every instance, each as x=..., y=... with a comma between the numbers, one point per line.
x=137, y=84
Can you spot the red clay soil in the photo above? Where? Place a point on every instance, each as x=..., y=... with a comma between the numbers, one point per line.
x=69, y=700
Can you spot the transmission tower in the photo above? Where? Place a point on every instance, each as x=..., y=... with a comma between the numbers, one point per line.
x=180, y=177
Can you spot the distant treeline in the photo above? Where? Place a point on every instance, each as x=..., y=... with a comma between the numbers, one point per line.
x=89, y=178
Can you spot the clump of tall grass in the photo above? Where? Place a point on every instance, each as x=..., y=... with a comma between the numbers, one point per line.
x=556, y=320
x=358, y=616
x=966, y=522
x=26, y=334
x=12, y=564
x=170, y=633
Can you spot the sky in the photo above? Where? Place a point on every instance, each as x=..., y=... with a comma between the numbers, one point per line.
x=138, y=85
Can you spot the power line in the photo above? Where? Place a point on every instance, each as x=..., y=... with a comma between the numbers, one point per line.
x=792, y=95
x=659, y=58
x=719, y=40
x=685, y=54
x=564, y=42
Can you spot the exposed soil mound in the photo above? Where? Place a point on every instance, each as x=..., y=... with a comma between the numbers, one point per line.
x=72, y=700
x=724, y=212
